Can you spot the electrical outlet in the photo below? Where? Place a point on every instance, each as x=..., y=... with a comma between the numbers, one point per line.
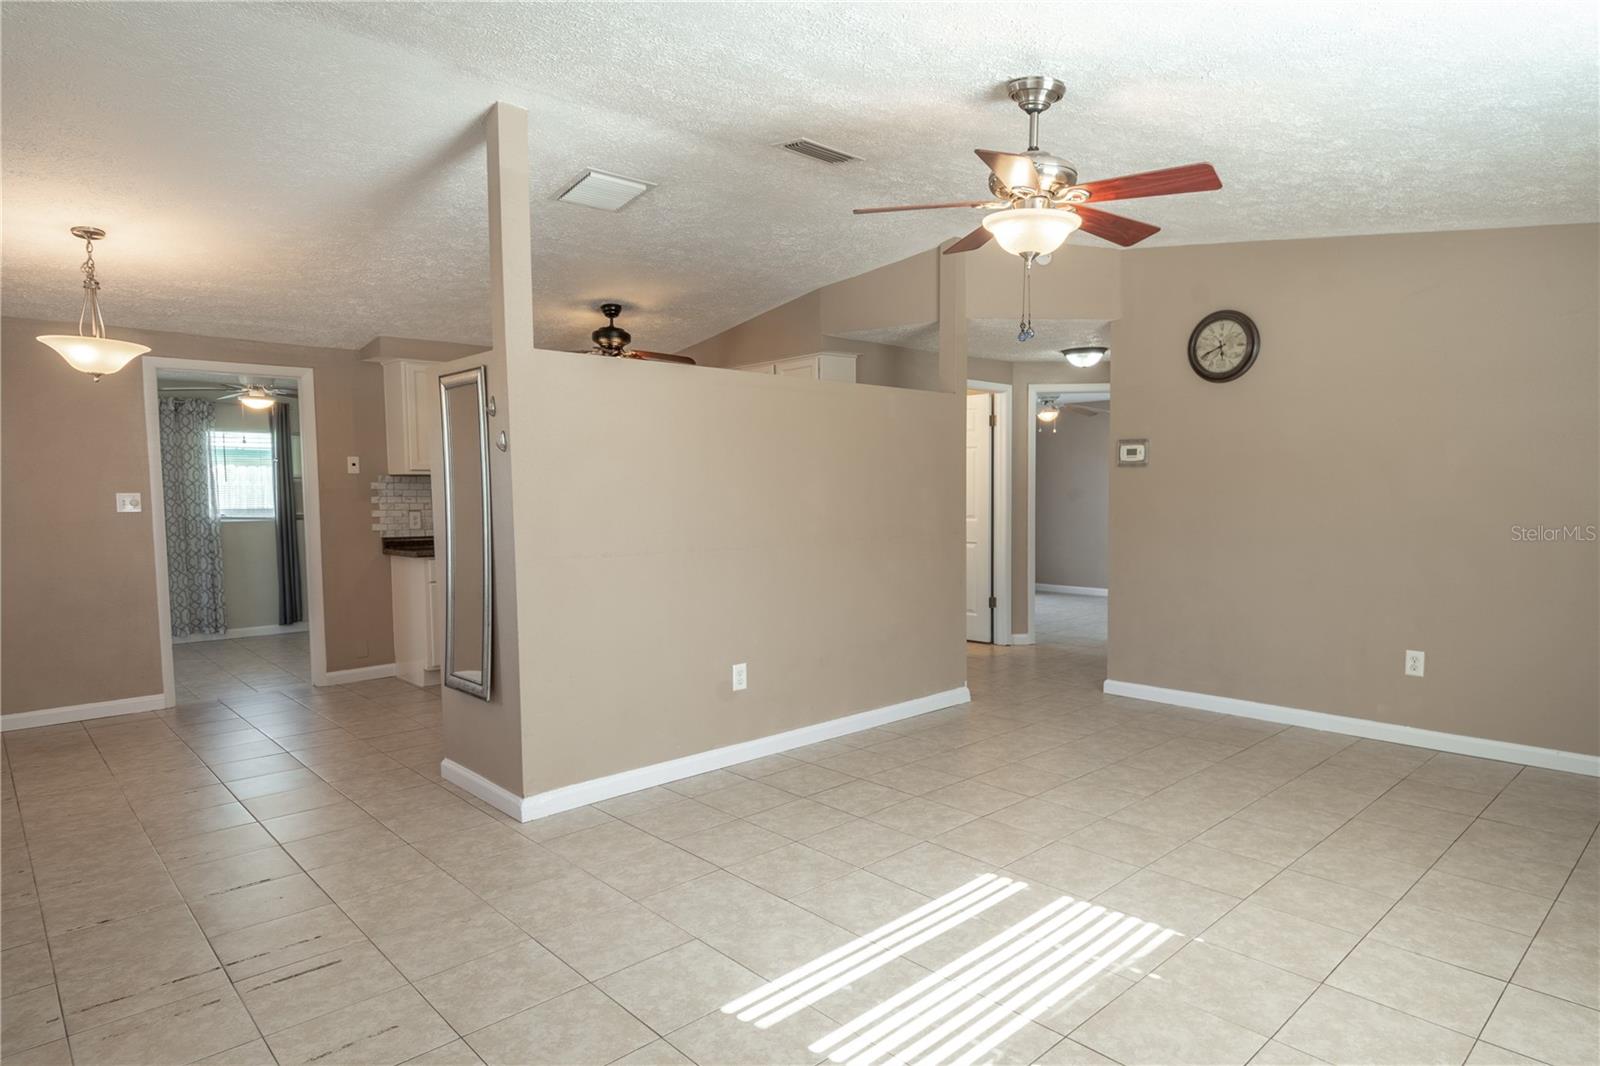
x=128, y=503
x=415, y=518
x=741, y=678
x=1414, y=663
x=352, y=464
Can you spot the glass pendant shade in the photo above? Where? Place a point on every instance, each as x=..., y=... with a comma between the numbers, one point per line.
x=93, y=352
x=1035, y=230
x=94, y=356
x=1083, y=358
x=1049, y=413
x=256, y=401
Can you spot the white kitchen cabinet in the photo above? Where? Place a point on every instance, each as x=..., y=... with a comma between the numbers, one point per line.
x=416, y=630
x=819, y=366
x=411, y=414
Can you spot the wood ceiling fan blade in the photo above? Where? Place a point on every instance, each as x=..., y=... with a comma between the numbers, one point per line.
x=919, y=207
x=976, y=239
x=1196, y=177
x=659, y=357
x=1014, y=171
x=1114, y=228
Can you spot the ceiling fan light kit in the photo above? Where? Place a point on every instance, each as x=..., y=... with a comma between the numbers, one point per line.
x=610, y=339
x=1031, y=232
x=93, y=353
x=256, y=398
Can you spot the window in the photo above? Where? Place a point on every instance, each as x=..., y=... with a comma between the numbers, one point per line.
x=241, y=470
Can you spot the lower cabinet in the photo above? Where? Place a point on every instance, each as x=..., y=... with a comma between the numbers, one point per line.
x=416, y=625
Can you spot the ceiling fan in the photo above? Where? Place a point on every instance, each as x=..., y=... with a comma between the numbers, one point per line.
x=1037, y=202
x=255, y=397
x=612, y=339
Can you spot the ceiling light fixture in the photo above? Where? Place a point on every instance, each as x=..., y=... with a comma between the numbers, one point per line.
x=256, y=398
x=1048, y=414
x=1032, y=231
x=93, y=353
x=1083, y=358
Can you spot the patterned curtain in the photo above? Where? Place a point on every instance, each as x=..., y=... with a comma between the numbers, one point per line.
x=194, y=530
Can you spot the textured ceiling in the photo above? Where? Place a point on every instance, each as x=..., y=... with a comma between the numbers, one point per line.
x=314, y=173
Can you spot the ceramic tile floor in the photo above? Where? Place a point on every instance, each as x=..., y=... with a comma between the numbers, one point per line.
x=283, y=876
x=215, y=669
x=1070, y=621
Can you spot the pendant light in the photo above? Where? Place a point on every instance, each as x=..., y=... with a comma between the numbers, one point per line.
x=93, y=353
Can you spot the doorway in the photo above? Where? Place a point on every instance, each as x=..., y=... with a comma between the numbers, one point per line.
x=987, y=604
x=236, y=529
x=1070, y=460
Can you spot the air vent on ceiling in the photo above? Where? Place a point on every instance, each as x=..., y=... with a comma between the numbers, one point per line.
x=608, y=192
x=820, y=152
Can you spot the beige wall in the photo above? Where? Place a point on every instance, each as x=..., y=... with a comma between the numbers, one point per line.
x=1353, y=495
x=654, y=556
x=1074, y=500
x=794, y=328
x=79, y=598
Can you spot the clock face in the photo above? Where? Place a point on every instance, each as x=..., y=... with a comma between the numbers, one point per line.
x=1223, y=345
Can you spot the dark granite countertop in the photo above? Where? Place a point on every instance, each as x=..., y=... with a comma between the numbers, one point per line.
x=410, y=547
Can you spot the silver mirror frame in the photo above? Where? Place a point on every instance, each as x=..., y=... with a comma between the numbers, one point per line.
x=476, y=379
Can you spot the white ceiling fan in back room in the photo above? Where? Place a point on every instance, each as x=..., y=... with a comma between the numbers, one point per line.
x=1036, y=202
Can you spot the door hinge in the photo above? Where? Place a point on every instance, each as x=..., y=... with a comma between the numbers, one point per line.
x=993, y=603
x=993, y=421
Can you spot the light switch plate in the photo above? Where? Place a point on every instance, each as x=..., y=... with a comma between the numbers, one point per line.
x=352, y=464
x=129, y=503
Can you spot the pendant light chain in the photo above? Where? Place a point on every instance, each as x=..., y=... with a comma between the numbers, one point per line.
x=91, y=296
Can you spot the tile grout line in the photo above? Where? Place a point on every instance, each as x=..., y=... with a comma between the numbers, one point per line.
x=1478, y=1038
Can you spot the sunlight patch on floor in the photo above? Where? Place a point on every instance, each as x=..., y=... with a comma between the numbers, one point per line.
x=964, y=1010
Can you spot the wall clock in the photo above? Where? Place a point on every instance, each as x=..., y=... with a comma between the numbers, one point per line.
x=1224, y=345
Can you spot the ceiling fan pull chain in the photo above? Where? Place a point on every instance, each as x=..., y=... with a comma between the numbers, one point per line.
x=1025, y=327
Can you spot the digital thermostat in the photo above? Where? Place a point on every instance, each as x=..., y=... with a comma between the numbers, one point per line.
x=1131, y=452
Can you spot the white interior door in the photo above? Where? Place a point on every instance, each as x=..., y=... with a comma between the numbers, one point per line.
x=980, y=517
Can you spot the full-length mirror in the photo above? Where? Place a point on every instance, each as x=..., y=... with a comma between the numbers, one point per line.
x=468, y=561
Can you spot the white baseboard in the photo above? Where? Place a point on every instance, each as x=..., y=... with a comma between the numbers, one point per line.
x=1022, y=638
x=360, y=673
x=503, y=800
x=1073, y=590
x=82, y=712
x=1500, y=750
x=568, y=797
x=247, y=631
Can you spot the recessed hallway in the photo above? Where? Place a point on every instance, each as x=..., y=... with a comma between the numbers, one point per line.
x=284, y=876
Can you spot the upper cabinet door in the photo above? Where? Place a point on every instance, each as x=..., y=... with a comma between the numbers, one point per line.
x=423, y=440
x=411, y=415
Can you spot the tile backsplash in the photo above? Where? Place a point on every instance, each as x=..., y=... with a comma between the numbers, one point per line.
x=396, y=498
